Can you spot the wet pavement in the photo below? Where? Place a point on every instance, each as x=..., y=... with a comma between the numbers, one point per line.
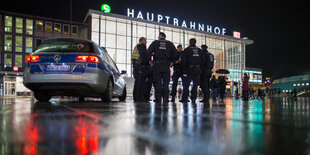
x=270, y=126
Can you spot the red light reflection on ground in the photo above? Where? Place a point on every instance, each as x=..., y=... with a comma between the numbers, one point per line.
x=86, y=134
x=31, y=138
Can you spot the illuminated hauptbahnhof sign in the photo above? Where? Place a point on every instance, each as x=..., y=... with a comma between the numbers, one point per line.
x=175, y=21
x=119, y=33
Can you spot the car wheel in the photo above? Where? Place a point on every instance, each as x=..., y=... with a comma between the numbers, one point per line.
x=124, y=95
x=42, y=97
x=108, y=94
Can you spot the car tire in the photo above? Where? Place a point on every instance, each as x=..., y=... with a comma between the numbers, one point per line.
x=123, y=96
x=108, y=94
x=42, y=97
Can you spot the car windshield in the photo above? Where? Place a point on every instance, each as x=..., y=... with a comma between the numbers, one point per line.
x=65, y=46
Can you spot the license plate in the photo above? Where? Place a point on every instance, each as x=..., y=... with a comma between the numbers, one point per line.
x=57, y=68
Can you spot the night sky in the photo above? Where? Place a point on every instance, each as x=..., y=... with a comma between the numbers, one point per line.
x=278, y=28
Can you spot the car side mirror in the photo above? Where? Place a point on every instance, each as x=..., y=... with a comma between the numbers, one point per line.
x=123, y=72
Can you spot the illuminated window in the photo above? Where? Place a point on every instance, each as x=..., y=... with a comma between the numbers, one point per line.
x=39, y=25
x=19, y=25
x=19, y=60
x=8, y=43
x=57, y=28
x=18, y=44
x=298, y=84
x=48, y=26
x=8, y=24
x=8, y=60
x=66, y=29
x=302, y=84
x=111, y=27
x=121, y=42
x=29, y=26
x=121, y=28
x=74, y=30
x=28, y=44
x=121, y=57
x=294, y=85
x=307, y=84
x=111, y=39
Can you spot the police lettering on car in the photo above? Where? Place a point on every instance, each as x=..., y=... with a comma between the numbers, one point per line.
x=164, y=55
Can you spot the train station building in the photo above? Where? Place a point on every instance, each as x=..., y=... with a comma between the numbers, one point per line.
x=118, y=33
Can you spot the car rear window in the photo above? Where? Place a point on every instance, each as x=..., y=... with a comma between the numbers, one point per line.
x=65, y=46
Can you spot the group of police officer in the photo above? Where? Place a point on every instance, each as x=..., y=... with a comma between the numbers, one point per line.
x=152, y=66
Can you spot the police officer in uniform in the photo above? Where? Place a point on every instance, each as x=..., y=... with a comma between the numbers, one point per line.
x=139, y=62
x=164, y=54
x=149, y=82
x=191, y=62
x=177, y=72
x=206, y=72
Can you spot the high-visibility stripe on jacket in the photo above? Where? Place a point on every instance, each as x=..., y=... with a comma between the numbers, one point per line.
x=135, y=53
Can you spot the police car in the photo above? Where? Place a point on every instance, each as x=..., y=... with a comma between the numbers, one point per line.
x=73, y=67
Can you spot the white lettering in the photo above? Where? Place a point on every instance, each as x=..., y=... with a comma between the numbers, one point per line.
x=192, y=25
x=223, y=31
x=217, y=30
x=140, y=15
x=184, y=24
x=148, y=16
x=201, y=27
x=159, y=18
x=175, y=22
x=130, y=13
x=209, y=28
x=167, y=19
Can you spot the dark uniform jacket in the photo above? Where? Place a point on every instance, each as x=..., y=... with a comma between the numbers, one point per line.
x=208, y=64
x=177, y=67
x=143, y=60
x=192, y=59
x=163, y=52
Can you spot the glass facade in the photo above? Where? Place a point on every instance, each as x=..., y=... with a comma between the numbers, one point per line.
x=18, y=43
x=19, y=25
x=29, y=27
x=120, y=35
x=8, y=24
x=8, y=43
x=48, y=27
x=39, y=25
x=57, y=28
x=66, y=29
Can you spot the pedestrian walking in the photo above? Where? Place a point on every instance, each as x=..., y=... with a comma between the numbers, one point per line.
x=139, y=62
x=191, y=62
x=180, y=93
x=245, y=87
x=222, y=86
x=213, y=86
x=294, y=94
x=164, y=55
